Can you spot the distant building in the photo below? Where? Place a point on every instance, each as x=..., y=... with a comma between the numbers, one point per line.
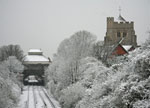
x=116, y=30
x=35, y=56
x=120, y=36
x=35, y=64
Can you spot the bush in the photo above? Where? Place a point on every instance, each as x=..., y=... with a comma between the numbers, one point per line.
x=142, y=67
x=71, y=96
x=9, y=84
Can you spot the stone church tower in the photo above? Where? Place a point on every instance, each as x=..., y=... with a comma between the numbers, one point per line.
x=120, y=30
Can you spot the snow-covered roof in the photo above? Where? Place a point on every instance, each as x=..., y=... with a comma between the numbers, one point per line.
x=127, y=47
x=36, y=59
x=35, y=50
x=121, y=19
x=121, y=40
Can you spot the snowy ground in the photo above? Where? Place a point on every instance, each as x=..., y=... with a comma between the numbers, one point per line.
x=36, y=97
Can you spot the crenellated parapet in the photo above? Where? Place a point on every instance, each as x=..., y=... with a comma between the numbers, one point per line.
x=116, y=30
x=111, y=24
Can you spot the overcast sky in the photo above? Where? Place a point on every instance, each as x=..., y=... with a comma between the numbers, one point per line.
x=45, y=23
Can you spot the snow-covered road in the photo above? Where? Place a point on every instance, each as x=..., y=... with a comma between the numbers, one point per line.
x=36, y=97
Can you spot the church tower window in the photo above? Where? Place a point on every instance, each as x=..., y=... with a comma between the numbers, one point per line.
x=124, y=34
x=118, y=34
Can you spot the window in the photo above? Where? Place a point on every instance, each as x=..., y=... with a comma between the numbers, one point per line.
x=124, y=34
x=118, y=34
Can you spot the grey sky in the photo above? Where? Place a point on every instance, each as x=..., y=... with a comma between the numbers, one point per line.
x=45, y=23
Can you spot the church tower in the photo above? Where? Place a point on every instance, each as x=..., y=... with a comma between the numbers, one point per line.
x=120, y=30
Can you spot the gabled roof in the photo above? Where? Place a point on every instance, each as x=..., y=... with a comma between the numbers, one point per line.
x=36, y=59
x=116, y=45
x=127, y=47
x=121, y=19
x=35, y=56
x=115, y=51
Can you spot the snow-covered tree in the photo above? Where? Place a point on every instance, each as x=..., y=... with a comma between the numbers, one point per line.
x=9, y=84
x=102, y=52
x=80, y=81
x=64, y=69
x=14, y=65
x=11, y=50
x=126, y=84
